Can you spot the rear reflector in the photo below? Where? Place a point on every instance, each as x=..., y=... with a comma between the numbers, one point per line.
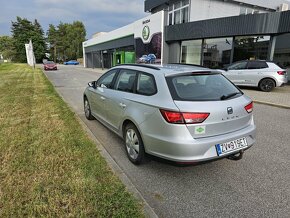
x=183, y=118
x=281, y=73
x=249, y=107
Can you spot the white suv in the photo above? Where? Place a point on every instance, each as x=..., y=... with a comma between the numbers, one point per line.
x=263, y=74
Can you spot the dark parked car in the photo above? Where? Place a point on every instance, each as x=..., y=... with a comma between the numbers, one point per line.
x=71, y=62
x=49, y=65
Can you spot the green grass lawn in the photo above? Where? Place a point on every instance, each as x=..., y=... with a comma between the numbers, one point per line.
x=48, y=165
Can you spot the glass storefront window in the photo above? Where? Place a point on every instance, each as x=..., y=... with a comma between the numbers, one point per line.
x=177, y=17
x=217, y=52
x=177, y=5
x=282, y=51
x=178, y=12
x=184, y=15
x=191, y=52
x=251, y=48
x=170, y=19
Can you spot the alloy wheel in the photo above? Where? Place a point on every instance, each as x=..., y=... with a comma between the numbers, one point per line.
x=132, y=143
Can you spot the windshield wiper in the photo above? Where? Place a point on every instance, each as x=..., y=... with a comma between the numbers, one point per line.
x=224, y=97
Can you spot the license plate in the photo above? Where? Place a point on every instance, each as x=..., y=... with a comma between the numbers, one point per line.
x=231, y=146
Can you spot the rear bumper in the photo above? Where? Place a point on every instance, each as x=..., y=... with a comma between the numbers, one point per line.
x=50, y=68
x=196, y=150
x=281, y=82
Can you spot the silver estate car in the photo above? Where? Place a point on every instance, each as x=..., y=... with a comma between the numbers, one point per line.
x=181, y=113
x=263, y=74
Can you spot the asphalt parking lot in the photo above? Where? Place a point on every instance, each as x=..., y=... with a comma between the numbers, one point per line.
x=256, y=186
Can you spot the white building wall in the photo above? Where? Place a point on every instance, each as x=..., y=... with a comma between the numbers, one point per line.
x=209, y=9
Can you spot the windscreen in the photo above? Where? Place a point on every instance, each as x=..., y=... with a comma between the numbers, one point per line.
x=201, y=87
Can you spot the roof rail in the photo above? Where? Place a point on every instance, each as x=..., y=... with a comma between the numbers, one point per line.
x=193, y=65
x=140, y=65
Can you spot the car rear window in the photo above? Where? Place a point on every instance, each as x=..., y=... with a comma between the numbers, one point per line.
x=201, y=87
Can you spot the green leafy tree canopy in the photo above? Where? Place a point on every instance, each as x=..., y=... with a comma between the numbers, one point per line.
x=65, y=40
x=24, y=30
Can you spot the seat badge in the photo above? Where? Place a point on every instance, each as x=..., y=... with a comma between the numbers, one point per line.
x=230, y=110
x=199, y=130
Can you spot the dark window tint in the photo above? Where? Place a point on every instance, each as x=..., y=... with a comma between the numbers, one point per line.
x=126, y=80
x=146, y=84
x=238, y=66
x=106, y=81
x=257, y=65
x=205, y=87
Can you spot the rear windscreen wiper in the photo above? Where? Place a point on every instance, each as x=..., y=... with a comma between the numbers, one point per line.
x=224, y=97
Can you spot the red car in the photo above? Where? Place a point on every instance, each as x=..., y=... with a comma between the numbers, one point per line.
x=50, y=65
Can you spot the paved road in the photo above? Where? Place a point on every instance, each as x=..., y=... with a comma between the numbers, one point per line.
x=256, y=186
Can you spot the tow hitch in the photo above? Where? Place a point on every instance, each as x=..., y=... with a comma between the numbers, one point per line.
x=237, y=156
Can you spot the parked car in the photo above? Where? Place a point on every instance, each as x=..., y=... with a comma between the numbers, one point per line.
x=263, y=74
x=49, y=65
x=181, y=113
x=71, y=62
x=151, y=58
x=143, y=59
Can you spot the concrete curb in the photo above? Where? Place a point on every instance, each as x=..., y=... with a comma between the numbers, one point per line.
x=272, y=104
x=148, y=211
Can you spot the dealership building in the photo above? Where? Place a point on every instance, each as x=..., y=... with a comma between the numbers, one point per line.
x=212, y=33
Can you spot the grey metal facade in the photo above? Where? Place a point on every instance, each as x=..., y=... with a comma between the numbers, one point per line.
x=256, y=24
x=150, y=4
x=117, y=43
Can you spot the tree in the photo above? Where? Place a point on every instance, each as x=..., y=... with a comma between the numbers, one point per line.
x=24, y=30
x=65, y=40
x=52, y=40
x=38, y=41
x=6, y=47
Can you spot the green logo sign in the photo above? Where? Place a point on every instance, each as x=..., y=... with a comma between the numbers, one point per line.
x=145, y=32
x=200, y=130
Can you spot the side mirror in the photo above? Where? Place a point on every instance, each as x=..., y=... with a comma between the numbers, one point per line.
x=92, y=84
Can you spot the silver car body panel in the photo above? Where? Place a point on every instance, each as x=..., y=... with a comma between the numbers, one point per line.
x=176, y=142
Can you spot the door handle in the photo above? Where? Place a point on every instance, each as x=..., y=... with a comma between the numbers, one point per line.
x=103, y=98
x=122, y=105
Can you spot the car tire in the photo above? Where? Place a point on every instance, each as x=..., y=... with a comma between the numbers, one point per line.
x=87, y=109
x=133, y=144
x=267, y=85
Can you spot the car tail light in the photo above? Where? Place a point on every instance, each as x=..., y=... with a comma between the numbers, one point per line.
x=281, y=72
x=249, y=107
x=183, y=118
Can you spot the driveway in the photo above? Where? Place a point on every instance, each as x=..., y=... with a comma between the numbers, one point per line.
x=256, y=186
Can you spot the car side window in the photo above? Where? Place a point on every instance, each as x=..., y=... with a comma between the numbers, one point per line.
x=238, y=66
x=257, y=65
x=146, y=84
x=126, y=80
x=106, y=81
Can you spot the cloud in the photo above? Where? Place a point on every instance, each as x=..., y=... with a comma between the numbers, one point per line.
x=97, y=15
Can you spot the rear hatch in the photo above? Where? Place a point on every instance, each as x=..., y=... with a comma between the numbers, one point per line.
x=220, y=106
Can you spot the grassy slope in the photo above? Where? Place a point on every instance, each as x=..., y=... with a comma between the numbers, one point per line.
x=48, y=165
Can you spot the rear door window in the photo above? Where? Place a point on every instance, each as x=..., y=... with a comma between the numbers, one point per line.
x=201, y=87
x=126, y=80
x=146, y=84
x=257, y=65
x=238, y=66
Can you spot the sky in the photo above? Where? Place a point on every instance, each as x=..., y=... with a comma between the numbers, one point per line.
x=96, y=15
